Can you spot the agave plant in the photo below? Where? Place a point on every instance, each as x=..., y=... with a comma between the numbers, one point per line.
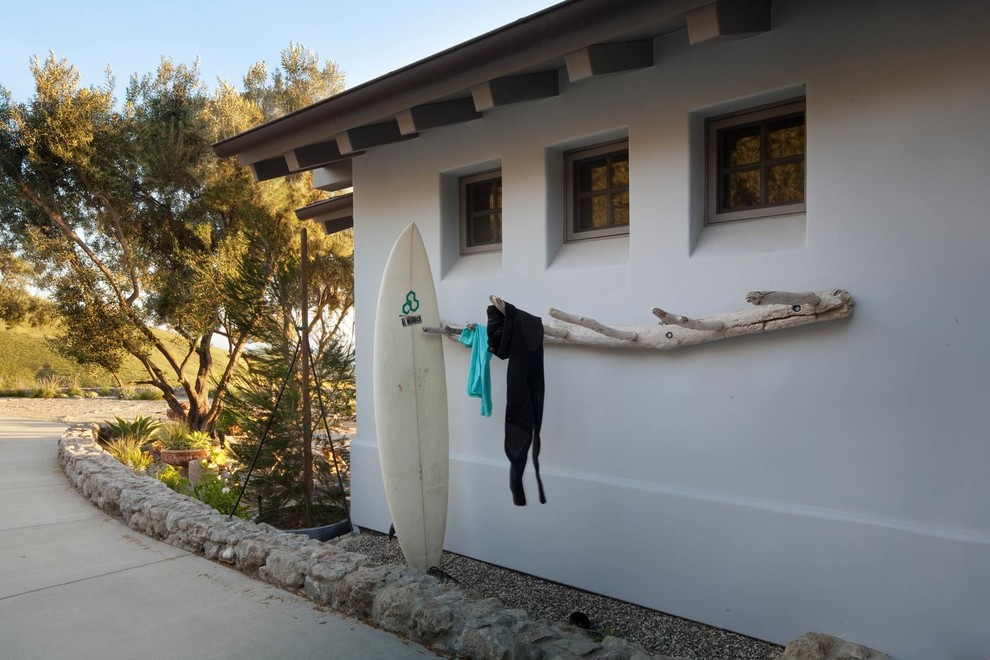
x=140, y=427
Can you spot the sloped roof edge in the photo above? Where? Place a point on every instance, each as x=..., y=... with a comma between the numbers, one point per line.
x=340, y=203
x=540, y=36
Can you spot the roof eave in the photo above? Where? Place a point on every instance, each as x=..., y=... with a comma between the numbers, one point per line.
x=541, y=37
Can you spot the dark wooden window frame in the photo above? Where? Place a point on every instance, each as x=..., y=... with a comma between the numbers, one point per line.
x=714, y=168
x=574, y=158
x=465, y=183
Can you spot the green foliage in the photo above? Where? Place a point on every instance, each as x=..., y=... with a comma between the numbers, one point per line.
x=17, y=304
x=220, y=493
x=275, y=485
x=198, y=440
x=172, y=434
x=219, y=459
x=142, y=428
x=172, y=478
x=72, y=387
x=141, y=393
x=176, y=435
x=335, y=374
x=148, y=394
x=126, y=220
x=18, y=387
x=127, y=450
x=50, y=387
x=300, y=82
x=226, y=422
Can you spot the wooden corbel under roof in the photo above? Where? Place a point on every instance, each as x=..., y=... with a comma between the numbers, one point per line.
x=520, y=62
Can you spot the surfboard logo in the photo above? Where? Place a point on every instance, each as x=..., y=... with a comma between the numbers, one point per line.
x=410, y=306
x=412, y=303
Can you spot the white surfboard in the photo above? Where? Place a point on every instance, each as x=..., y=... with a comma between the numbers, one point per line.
x=411, y=402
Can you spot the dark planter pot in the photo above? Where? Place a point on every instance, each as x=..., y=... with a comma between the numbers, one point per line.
x=325, y=532
x=320, y=533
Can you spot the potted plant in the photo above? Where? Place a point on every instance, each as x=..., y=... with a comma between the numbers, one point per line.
x=179, y=445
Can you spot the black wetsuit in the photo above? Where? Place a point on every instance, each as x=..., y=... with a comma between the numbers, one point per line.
x=519, y=336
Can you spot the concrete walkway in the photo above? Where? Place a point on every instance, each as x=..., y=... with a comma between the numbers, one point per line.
x=75, y=583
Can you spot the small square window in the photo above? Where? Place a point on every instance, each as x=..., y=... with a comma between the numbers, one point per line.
x=598, y=191
x=481, y=212
x=755, y=163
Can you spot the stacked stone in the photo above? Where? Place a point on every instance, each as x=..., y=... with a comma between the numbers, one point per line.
x=448, y=618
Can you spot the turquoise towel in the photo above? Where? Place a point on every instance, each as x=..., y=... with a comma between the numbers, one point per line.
x=479, y=383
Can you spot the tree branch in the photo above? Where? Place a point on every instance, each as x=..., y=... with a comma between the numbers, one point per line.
x=124, y=245
x=549, y=330
x=593, y=325
x=782, y=298
x=687, y=322
x=161, y=382
x=73, y=237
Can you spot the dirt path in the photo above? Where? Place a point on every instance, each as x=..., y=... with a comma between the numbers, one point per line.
x=71, y=411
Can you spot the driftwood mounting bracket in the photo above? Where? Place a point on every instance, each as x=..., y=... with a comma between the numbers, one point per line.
x=771, y=310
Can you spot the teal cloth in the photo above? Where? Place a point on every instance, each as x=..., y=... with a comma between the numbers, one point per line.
x=479, y=383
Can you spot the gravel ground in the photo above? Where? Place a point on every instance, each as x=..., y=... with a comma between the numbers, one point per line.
x=659, y=633
x=75, y=411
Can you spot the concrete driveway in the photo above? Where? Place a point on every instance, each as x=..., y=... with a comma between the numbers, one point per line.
x=75, y=583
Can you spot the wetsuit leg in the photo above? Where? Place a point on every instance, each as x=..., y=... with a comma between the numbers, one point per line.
x=517, y=443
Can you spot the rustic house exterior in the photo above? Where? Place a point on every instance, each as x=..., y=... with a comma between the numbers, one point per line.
x=605, y=158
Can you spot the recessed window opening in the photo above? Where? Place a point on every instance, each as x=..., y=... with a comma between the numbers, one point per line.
x=598, y=191
x=481, y=212
x=756, y=163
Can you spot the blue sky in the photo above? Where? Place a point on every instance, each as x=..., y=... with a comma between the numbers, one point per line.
x=366, y=38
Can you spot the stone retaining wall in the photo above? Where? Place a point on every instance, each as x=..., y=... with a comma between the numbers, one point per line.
x=448, y=618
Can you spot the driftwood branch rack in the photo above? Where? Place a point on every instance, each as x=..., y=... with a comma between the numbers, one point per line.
x=771, y=310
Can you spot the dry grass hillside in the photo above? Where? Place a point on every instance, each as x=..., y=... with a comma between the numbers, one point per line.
x=27, y=355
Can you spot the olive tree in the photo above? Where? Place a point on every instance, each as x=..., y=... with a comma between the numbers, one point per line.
x=129, y=225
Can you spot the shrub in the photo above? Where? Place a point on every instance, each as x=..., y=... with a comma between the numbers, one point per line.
x=172, y=478
x=141, y=393
x=176, y=435
x=220, y=493
x=142, y=428
x=72, y=388
x=127, y=450
x=50, y=387
x=148, y=394
x=252, y=402
x=171, y=434
x=219, y=459
x=198, y=440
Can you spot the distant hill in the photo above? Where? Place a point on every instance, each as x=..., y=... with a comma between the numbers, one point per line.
x=26, y=355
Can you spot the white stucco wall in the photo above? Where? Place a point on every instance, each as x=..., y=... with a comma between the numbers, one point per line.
x=832, y=477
